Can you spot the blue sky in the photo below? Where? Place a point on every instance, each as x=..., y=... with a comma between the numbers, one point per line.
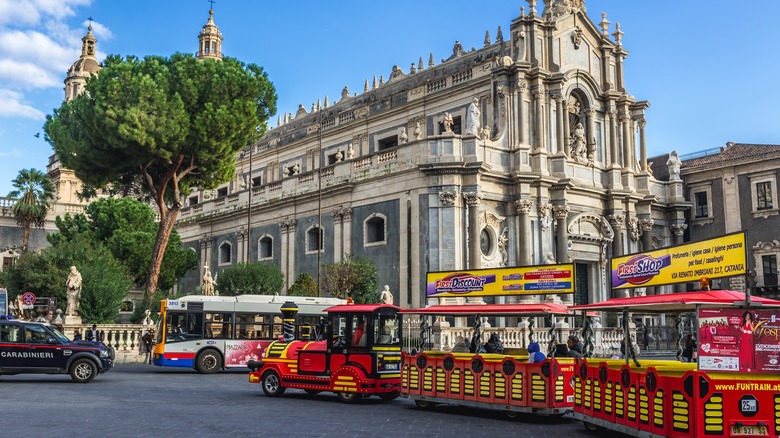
x=708, y=68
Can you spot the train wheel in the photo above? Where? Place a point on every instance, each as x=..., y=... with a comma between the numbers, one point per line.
x=511, y=414
x=592, y=428
x=387, y=396
x=422, y=404
x=272, y=385
x=209, y=362
x=349, y=397
x=312, y=391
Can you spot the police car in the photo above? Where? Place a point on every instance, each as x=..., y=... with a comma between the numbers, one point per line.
x=33, y=347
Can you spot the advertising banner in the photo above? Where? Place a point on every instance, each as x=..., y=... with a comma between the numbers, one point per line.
x=3, y=302
x=721, y=257
x=739, y=340
x=530, y=280
x=239, y=353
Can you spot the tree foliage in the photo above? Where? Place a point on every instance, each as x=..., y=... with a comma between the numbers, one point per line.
x=356, y=277
x=35, y=190
x=251, y=278
x=304, y=286
x=104, y=281
x=160, y=126
x=127, y=228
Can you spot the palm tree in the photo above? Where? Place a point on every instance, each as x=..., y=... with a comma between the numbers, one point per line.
x=35, y=190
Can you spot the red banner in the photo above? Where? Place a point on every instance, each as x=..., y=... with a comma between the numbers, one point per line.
x=739, y=340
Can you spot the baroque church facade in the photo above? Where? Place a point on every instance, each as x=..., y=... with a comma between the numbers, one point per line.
x=526, y=151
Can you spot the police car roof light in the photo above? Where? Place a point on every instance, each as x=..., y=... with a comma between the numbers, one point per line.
x=6, y=317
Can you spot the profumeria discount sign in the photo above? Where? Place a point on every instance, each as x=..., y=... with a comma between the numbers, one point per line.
x=531, y=280
x=721, y=257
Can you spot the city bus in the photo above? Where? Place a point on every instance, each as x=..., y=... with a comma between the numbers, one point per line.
x=209, y=333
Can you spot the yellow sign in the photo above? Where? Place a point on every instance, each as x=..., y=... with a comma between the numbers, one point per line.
x=721, y=257
x=530, y=280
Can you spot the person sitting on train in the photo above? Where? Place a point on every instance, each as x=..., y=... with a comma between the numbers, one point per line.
x=359, y=337
x=461, y=346
x=534, y=353
x=575, y=347
x=558, y=349
x=494, y=344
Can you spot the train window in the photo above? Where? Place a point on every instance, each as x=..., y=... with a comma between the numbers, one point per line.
x=385, y=329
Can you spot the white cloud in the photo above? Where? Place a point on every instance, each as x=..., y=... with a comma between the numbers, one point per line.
x=27, y=75
x=36, y=47
x=32, y=12
x=11, y=105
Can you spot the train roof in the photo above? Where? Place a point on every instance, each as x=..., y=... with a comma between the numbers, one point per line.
x=492, y=309
x=680, y=302
x=360, y=308
x=254, y=298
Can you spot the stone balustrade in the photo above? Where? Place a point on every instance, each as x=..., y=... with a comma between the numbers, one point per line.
x=124, y=338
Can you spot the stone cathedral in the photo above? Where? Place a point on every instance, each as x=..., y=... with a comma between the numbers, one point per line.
x=526, y=151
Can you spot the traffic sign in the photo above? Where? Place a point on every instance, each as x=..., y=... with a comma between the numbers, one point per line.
x=28, y=298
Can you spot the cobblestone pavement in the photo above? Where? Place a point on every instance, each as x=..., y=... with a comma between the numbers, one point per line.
x=147, y=401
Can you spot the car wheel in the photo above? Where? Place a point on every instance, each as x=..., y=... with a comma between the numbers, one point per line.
x=349, y=397
x=312, y=391
x=209, y=362
x=387, y=396
x=423, y=404
x=83, y=371
x=272, y=385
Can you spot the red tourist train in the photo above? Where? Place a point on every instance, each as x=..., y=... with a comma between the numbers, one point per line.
x=358, y=355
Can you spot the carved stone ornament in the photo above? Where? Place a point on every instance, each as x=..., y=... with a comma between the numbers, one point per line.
x=678, y=229
x=491, y=220
x=524, y=206
x=576, y=37
x=473, y=199
x=545, y=218
x=646, y=224
x=242, y=233
x=591, y=227
x=288, y=225
x=633, y=228
x=561, y=211
x=448, y=198
x=206, y=241
x=618, y=221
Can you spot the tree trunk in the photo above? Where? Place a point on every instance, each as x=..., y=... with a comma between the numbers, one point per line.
x=167, y=221
x=25, y=237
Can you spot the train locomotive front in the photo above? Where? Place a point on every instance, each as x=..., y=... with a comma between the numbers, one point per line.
x=356, y=355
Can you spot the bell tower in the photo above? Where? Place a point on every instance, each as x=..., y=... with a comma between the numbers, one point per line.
x=210, y=40
x=84, y=67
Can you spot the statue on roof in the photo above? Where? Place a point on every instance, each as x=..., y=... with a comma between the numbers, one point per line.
x=674, y=166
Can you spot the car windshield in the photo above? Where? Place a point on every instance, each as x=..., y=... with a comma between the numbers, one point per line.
x=58, y=334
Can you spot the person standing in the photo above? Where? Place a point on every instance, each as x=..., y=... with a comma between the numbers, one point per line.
x=94, y=334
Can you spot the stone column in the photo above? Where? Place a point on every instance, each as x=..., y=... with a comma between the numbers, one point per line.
x=288, y=251
x=625, y=120
x=562, y=235
x=591, y=140
x=205, y=253
x=539, y=125
x=338, y=251
x=522, y=112
x=642, y=144
x=618, y=222
x=475, y=253
x=646, y=225
x=243, y=236
x=524, y=238
x=346, y=227
x=613, y=142
x=679, y=230
x=561, y=118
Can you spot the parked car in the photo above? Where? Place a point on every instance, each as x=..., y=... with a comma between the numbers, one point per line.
x=39, y=348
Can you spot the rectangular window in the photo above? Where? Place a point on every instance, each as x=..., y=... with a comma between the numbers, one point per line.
x=10, y=333
x=387, y=143
x=222, y=191
x=252, y=326
x=219, y=326
x=257, y=181
x=193, y=200
x=764, y=195
x=769, y=263
x=700, y=201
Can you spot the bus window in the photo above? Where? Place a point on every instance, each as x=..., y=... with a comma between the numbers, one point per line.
x=219, y=326
x=175, y=326
x=251, y=326
x=277, y=327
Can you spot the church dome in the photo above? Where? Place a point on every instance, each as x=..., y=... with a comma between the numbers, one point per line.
x=84, y=66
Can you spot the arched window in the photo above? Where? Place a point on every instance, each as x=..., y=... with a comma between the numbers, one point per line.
x=375, y=230
x=313, y=243
x=225, y=253
x=265, y=248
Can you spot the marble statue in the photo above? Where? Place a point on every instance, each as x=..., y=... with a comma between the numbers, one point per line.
x=386, y=297
x=73, y=293
x=578, y=148
x=447, y=122
x=350, y=151
x=473, y=118
x=147, y=318
x=207, y=288
x=402, y=137
x=674, y=166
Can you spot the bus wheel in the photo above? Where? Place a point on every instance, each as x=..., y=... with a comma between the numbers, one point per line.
x=209, y=362
x=387, y=396
x=272, y=386
x=422, y=404
x=83, y=371
x=349, y=397
x=312, y=391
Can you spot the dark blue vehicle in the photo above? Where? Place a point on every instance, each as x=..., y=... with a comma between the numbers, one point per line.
x=38, y=348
